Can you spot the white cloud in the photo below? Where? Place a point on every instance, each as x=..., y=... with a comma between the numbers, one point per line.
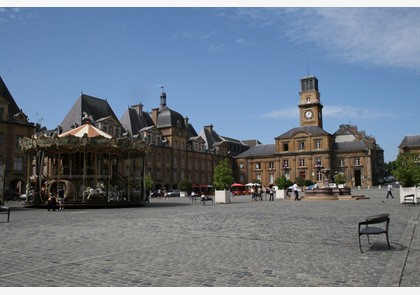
x=16, y=14
x=287, y=113
x=386, y=37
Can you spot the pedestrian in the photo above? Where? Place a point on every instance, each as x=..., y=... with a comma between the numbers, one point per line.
x=61, y=199
x=259, y=190
x=253, y=193
x=52, y=202
x=389, y=191
x=271, y=194
x=295, y=191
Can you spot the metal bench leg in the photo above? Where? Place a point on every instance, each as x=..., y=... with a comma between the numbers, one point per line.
x=387, y=240
x=360, y=245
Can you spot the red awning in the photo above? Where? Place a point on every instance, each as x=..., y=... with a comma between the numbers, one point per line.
x=237, y=185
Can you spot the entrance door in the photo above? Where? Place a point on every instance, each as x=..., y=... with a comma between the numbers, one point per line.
x=357, y=178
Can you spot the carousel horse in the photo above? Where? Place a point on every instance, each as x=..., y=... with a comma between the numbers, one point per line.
x=97, y=193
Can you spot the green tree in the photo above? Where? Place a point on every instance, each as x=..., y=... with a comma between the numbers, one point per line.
x=300, y=181
x=223, y=177
x=148, y=182
x=407, y=169
x=283, y=183
x=185, y=186
x=339, y=178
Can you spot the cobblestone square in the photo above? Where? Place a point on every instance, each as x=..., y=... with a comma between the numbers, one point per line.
x=173, y=243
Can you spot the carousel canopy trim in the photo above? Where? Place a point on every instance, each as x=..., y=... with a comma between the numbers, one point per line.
x=88, y=129
x=73, y=142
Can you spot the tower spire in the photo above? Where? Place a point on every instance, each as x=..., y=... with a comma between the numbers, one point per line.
x=162, y=98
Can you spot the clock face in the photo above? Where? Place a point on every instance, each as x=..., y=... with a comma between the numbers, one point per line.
x=308, y=114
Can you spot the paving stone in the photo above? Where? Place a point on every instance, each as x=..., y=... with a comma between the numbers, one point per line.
x=172, y=243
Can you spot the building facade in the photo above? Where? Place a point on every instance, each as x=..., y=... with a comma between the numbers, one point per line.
x=14, y=125
x=177, y=152
x=311, y=153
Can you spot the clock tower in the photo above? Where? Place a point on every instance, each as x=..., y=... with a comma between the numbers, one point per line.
x=310, y=102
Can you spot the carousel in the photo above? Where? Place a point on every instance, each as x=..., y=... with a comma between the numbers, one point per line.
x=94, y=168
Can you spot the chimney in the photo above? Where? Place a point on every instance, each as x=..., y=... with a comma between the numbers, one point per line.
x=209, y=128
x=155, y=115
x=138, y=108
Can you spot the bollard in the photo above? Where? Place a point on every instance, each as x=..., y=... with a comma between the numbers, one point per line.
x=358, y=187
x=379, y=186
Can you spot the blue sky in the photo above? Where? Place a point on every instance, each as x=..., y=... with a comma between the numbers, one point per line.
x=236, y=68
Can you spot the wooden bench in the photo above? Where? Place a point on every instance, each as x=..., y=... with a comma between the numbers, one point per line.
x=409, y=199
x=365, y=227
x=5, y=210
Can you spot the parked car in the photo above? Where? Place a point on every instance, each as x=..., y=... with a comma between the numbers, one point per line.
x=311, y=187
x=389, y=178
x=173, y=194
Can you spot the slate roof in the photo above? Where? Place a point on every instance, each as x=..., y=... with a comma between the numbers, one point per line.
x=313, y=130
x=350, y=146
x=410, y=141
x=169, y=118
x=134, y=122
x=259, y=151
x=211, y=138
x=251, y=142
x=191, y=131
x=93, y=106
x=13, y=107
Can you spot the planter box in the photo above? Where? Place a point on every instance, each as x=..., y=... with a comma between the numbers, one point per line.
x=404, y=191
x=222, y=196
x=183, y=194
x=280, y=194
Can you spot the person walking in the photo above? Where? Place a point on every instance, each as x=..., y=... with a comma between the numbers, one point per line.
x=61, y=199
x=271, y=194
x=389, y=191
x=259, y=192
x=295, y=191
x=52, y=202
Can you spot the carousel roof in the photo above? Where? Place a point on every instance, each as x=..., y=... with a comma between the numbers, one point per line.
x=88, y=129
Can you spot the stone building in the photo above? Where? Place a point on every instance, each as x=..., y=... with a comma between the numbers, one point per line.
x=14, y=125
x=177, y=152
x=410, y=143
x=310, y=152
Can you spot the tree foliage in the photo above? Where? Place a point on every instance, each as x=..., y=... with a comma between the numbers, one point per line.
x=339, y=178
x=300, y=181
x=407, y=169
x=185, y=186
x=283, y=183
x=223, y=176
x=148, y=182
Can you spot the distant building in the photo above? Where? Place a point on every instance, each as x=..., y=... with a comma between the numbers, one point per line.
x=14, y=125
x=410, y=143
x=176, y=153
x=311, y=153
